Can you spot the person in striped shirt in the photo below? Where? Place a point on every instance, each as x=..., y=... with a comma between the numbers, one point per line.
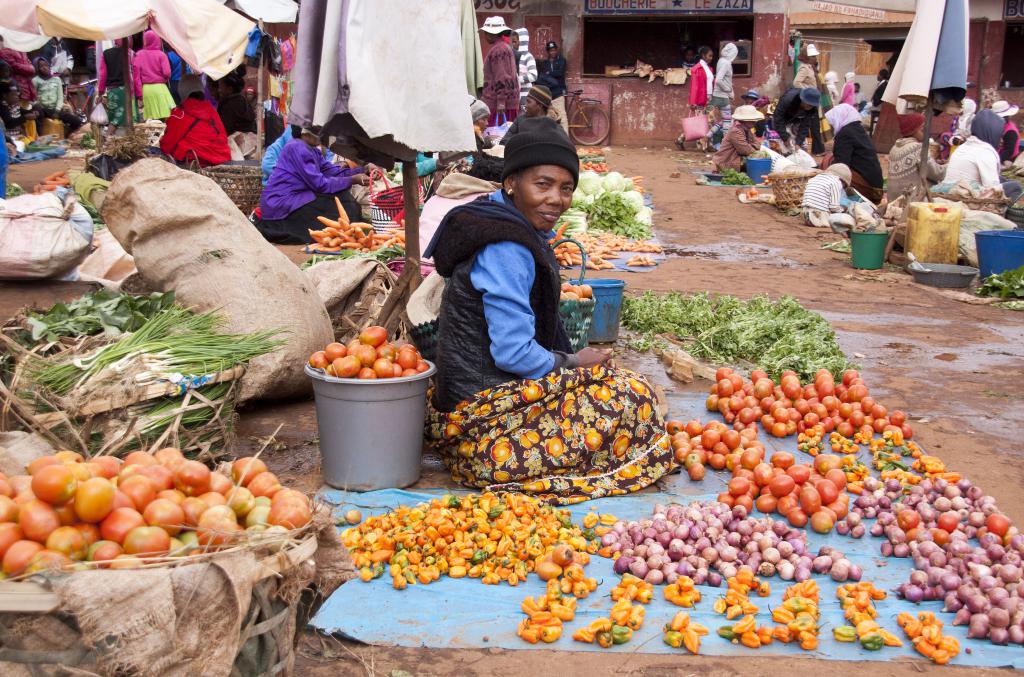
x=527, y=64
x=823, y=197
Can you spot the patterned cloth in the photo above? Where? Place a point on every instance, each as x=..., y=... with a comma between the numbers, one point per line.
x=116, y=112
x=571, y=436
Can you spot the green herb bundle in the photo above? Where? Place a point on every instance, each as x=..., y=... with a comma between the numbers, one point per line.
x=731, y=177
x=614, y=213
x=99, y=312
x=774, y=335
x=1008, y=284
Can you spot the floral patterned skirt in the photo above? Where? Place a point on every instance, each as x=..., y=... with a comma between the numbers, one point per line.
x=569, y=437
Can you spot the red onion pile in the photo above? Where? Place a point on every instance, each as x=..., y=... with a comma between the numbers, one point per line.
x=707, y=542
x=981, y=583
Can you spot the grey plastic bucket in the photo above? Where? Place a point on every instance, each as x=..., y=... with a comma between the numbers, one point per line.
x=371, y=431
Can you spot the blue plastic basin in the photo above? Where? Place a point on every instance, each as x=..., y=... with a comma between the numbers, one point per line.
x=999, y=251
x=604, y=328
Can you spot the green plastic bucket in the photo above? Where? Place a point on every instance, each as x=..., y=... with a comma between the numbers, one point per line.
x=868, y=249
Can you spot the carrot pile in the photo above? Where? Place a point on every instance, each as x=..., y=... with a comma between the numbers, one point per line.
x=599, y=248
x=52, y=182
x=341, y=234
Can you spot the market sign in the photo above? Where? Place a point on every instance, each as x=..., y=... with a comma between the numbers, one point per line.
x=1013, y=9
x=666, y=6
x=851, y=10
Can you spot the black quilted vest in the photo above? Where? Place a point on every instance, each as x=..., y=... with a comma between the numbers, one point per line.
x=464, y=363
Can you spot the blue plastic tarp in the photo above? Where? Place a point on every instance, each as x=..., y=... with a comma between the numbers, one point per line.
x=463, y=613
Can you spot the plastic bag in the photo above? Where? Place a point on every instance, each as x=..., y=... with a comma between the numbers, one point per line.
x=695, y=127
x=802, y=158
x=498, y=131
x=99, y=115
x=43, y=237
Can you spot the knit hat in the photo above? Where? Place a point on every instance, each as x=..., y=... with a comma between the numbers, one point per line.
x=842, y=171
x=541, y=95
x=544, y=143
x=810, y=96
x=479, y=110
x=910, y=123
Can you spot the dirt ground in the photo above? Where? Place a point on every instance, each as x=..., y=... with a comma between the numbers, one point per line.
x=954, y=367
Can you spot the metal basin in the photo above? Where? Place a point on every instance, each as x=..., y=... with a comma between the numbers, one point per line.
x=944, y=275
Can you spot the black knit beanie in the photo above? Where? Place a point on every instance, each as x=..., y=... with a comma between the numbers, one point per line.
x=543, y=142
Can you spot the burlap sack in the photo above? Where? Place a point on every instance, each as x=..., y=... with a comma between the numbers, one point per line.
x=18, y=449
x=186, y=235
x=354, y=291
x=198, y=619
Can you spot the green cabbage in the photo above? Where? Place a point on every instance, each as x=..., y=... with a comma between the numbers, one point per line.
x=614, y=182
x=590, y=183
x=634, y=198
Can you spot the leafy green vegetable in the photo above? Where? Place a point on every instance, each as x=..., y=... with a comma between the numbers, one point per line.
x=731, y=177
x=98, y=312
x=613, y=213
x=774, y=335
x=14, y=190
x=1006, y=285
x=383, y=255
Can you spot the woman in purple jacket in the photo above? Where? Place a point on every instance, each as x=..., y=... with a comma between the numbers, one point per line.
x=302, y=187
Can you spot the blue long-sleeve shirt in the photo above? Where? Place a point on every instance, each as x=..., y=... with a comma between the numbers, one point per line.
x=505, y=273
x=273, y=152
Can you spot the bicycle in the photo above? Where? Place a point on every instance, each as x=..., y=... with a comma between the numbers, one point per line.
x=588, y=122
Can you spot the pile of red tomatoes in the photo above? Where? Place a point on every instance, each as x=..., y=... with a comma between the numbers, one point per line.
x=68, y=509
x=788, y=407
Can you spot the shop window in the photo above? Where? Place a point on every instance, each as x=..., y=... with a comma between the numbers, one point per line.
x=1013, y=56
x=620, y=42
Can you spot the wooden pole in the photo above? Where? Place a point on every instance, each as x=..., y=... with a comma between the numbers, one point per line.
x=259, y=104
x=129, y=84
x=410, y=190
x=410, y=278
x=925, y=148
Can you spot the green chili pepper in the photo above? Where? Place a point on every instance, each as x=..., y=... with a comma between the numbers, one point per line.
x=726, y=632
x=479, y=556
x=674, y=639
x=495, y=512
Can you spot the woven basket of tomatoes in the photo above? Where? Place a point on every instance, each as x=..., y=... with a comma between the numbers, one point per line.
x=160, y=560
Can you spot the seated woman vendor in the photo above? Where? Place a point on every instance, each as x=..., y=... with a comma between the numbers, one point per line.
x=514, y=408
x=302, y=187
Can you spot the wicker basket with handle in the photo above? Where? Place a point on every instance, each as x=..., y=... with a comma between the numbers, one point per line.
x=789, y=189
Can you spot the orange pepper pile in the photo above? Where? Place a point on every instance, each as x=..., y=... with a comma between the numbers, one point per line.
x=545, y=615
x=842, y=445
x=736, y=601
x=682, y=592
x=925, y=632
x=633, y=589
x=681, y=631
x=616, y=628
x=798, y=615
x=494, y=537
x=809, y=441
x=745, y=632
x=856, y=601
x=574, y=581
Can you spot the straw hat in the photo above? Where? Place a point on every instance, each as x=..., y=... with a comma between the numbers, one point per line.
x=1004, y=109
x=747, y=114
x=495, y=25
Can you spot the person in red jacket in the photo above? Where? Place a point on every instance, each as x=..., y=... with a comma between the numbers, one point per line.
x=194, y=131
x=22, y=70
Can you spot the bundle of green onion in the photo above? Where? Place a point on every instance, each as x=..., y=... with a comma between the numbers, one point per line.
x=175, y=341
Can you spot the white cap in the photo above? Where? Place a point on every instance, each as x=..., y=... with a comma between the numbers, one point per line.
x=495, y=25
x=812, y=50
